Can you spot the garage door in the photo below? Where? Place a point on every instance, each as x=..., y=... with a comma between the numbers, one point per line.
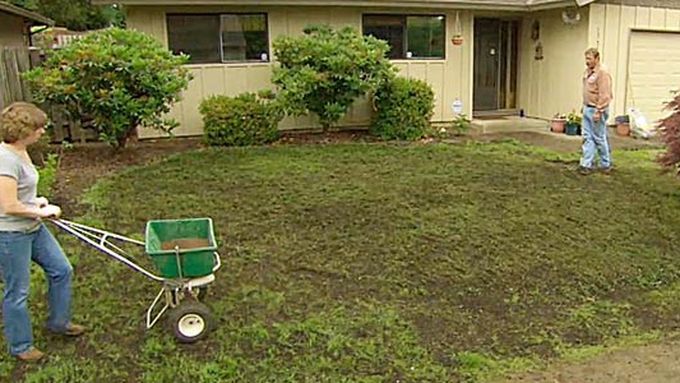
x=654, y=70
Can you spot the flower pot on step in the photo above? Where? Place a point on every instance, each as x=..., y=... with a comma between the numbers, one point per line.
x=557, y=125
x=572, y=129
x=623, y=129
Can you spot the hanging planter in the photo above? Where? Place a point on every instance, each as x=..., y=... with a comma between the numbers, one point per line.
x=457, y=31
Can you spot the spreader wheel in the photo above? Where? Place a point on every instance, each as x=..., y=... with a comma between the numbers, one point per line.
x=191, y=321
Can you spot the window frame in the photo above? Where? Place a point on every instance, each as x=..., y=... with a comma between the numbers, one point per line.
x=405, y=16
x=219, y=15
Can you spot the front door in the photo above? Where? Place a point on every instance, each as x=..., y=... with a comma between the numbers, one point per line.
x=495, y=64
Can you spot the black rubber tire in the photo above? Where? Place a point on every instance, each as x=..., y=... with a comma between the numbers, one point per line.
x=191, y=321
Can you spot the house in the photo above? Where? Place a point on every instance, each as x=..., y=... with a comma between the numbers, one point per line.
x=15, y=36
x=496, y=56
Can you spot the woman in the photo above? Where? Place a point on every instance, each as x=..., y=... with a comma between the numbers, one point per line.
x=23, y=236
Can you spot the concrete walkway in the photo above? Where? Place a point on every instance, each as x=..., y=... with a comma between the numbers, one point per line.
x=537, y=132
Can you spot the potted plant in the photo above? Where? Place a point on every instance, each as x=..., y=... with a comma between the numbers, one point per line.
x=557, y=123
x=573, y=126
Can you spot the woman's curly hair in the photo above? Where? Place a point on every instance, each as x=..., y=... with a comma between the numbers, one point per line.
x=19, y=120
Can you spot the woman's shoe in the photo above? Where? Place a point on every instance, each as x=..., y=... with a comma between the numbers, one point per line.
x=72, y=329
x=31, y=355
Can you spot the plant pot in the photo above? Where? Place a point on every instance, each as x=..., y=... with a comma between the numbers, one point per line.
x=624, y=119
x=457, y=40
x=573, y=129
x=623, y=129
x=557, y=125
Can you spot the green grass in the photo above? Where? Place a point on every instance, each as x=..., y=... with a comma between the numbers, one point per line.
x=374, y=263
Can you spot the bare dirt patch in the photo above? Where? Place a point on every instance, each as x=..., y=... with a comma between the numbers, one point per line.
x=81, y=166
x=658, y=363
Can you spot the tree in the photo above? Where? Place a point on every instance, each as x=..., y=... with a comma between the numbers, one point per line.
x=117, y=78
x=77, y=15
x=670, y=135
x=325, y=71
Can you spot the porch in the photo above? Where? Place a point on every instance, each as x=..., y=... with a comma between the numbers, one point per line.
x=537, y=132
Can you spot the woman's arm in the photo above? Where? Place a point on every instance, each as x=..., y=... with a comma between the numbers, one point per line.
x=10, y=204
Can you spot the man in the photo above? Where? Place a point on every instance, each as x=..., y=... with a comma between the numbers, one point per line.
x=597, y=94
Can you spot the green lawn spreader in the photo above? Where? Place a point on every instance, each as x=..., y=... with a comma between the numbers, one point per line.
x=185, y=256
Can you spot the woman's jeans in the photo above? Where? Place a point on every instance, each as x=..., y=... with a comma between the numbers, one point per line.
x=17, y=249
x=595, y=139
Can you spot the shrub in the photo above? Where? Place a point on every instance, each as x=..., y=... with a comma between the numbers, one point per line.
x=669, y=128
x=247, y=119
x=460, y=125
x=404, y=109
x=119, y=79
x=48, y=175
x=325, y=71
x=40, y=150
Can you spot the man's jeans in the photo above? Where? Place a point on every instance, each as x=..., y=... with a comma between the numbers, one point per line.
x=17, y=249
x=595, y=138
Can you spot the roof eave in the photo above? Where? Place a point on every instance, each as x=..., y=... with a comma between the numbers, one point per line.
x=539, y=5
x=464, y=4
x=35, y=18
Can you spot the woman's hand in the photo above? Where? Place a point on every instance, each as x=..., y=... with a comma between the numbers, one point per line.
x=41, y=202
x=50, y=211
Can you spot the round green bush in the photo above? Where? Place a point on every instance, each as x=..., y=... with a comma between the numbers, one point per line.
x=116, y=78
x=325, y=70
x=247, y=119
x=404, y=109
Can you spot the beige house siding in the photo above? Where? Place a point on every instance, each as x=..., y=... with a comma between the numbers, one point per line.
x=545, y=87
x=552, y=85
x=450, y=78
x=611, y=29
x=11, y=31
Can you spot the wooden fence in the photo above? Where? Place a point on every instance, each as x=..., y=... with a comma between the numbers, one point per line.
x=15, y=61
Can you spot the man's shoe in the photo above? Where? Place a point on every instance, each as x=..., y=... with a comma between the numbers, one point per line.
x=584, y=171
x=72, y=329
x=32, y=355
x=607, y=171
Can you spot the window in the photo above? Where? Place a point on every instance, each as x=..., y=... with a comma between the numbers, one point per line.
x=408, y=36
x=244, y=38
x=195, y=35
x=215, y=38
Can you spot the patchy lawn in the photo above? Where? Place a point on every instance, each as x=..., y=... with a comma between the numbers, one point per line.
x=376, y=263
